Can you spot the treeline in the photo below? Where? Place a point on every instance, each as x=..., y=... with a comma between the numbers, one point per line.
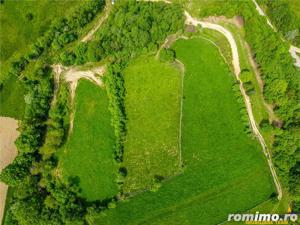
x=32, y=128
x=281, y=89
x=121, y=44
x=284, y=19
x=41, y=196
x=132, y=28
x=61, y=32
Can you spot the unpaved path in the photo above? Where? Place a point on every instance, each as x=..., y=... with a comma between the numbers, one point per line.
x=293, y=49
x=236, y=66
x=72, y=76
x=90, y=34
x=8, y=151
x=237, y=70
x=57, y=70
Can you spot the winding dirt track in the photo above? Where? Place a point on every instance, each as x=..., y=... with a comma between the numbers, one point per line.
x=237, y=70
x=8, y=151
x=91, y=33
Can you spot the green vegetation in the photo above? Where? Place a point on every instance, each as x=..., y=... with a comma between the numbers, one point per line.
x=12, y=102
x=88, y=154
x=42, y=196
x=224, y=169
x=295, y=7
x=251, y=84
x=22, y=22
x=281, y=89
x=285, y=17
x=152, y=103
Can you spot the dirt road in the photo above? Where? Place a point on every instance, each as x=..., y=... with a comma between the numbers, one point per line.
x=8, y=151
x=72, y=75
x=91, y=33
x=237, y=70
x=236, y=66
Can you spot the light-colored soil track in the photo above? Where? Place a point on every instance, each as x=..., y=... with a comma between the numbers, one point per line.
x=236, y=66
x=8, y=151
x=91, y=33
x=72, y=76
x=237, y=70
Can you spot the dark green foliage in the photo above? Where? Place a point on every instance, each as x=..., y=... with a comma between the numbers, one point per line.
x=39, y=86
x=135, y=26
x=42, y=198
x=167, y=55
x=60, y=33
x=66, y=30
x=95, y=52
x=57, y=204
x=29, y=16
x=58, y=123
x=15, y=172
x=17, y=66
x=132, y=27
x=114, y=82
x=67, y=58
x=284, y=19
x=125, y=34
x=285, y=153
x=281, y=80
x=243, y=110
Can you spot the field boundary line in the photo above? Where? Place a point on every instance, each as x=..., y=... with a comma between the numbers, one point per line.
x=182, y=68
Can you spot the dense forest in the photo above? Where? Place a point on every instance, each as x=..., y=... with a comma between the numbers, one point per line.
x=281, y=89
x=39, y=196
x=284, y=19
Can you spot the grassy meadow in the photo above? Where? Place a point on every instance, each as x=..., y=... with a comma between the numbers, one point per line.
x=88, y=154
x=224, y=169
x=153, y=98
x=24, y=21
x=12, y=102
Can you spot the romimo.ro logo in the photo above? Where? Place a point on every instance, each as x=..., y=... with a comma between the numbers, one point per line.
x=258, y=218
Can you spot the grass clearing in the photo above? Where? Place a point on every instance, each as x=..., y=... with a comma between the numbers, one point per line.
x=225, y=170
x=93, y=133
x=12, y=102
x=153, y=98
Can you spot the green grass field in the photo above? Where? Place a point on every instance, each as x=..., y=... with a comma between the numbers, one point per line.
x=225, y=170
x=153, y=98
x=12, y=102
x=88, y=154
x=17, y=31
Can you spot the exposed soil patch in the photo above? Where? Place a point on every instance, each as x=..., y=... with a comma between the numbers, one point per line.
x=72, y=75
x=8, y=151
